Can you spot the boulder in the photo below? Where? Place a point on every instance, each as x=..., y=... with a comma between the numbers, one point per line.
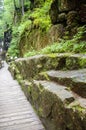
x=82, y=13
x=62, y=17
x=72, y=18
x=66, y=5
x=56, y=32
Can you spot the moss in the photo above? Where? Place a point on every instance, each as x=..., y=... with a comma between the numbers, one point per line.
x=35, y=96
x=76, y=107
x=82, y=62
x=44, y=75
x=52, y=55
x=40, y=88
x=72, y=63
x=19, y=78
x=35, y=93
x=79, y=109
x=29, y=89
x=40, y=112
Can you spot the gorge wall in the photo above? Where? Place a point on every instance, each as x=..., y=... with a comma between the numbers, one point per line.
x=60, y=19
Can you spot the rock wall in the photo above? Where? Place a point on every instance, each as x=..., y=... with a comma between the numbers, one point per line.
x=65, y=15
x=62, y=8
x=68, y=13
x=58, y=95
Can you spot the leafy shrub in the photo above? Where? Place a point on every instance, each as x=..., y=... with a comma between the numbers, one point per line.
x=23, y=27
x=41, y=16
x=80, y=47
x=66, y=46
x=17, y=34
x=75, y=45
x=13, y=51
x=30, y=53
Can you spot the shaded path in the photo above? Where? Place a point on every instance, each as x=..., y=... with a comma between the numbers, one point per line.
x=16, y=112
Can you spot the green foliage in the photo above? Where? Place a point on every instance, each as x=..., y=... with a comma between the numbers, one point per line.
x=66, y=46
x=38, y=18
x=1, y=22
x=6, y=16
x=82, y=62
x=8, y=11
x=80, y=47
x=41, y=19
x=25, y=17
x=18, y=30
x=80, y=33
x=23, y=27
x=30, y=53
x=27, y=4
x=13, y=51
x=62, y=47
x=75, y=45
x=41, y=16
x=1, y=29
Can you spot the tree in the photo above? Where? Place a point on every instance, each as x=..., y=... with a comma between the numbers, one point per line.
x=22, y=4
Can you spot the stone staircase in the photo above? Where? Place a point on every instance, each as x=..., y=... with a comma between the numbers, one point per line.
x=55, y=85
x=75, y=80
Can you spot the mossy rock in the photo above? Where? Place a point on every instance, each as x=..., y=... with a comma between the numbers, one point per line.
x=82, y=62
x=72, y=63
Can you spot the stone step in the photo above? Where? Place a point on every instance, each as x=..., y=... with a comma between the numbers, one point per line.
x=62, y=92
x=74, y=80
x=61, y=105
x=38, y=63
x=57, y=106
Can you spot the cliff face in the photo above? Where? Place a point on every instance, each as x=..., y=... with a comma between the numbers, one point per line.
x=68, y=13
x=58, y=7
x=60, y=19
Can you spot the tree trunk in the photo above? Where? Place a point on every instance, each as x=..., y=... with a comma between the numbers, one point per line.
x=14, y=4
x=22, y=4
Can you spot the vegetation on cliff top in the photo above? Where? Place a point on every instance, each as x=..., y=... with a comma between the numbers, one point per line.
x=75, y=45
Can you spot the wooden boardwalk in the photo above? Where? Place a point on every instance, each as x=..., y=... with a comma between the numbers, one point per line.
x=16, y=113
